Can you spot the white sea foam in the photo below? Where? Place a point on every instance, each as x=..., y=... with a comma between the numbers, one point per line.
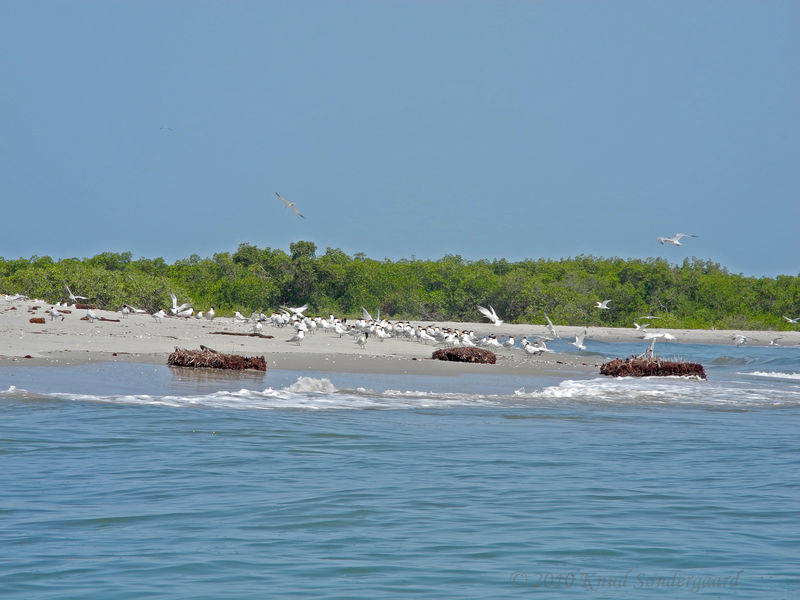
x=311, y=384
x=308, y=393
x=772, y=374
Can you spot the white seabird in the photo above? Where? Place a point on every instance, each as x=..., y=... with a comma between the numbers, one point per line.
x=299, y=310
x=603, y=305
x=362, y=340
x=550, y=327
x=578, y=343
x=289, y=204
x=739, y=339
x=72, y=296
x=490, y=314
x=175, y=308
x=675, y=240
x=298, y=336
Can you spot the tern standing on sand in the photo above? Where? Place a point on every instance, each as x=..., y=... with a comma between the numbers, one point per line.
x=289, y=204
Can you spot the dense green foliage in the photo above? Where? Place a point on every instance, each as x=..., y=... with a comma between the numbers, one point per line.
x=695, y=294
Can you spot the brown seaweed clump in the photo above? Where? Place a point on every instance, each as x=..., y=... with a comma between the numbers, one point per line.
x=470, y=355
x=206, y=357
x=651, y=367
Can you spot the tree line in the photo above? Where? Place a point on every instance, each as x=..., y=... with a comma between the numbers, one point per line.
x=695, y=294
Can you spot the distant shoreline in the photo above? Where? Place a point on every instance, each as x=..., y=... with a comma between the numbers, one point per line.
x=143, y=339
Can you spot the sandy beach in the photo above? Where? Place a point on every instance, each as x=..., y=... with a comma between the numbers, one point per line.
x=141, y=338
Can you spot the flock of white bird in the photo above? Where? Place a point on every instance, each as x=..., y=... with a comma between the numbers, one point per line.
x=381, y=329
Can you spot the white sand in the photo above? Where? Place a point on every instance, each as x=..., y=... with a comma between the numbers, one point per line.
x=144, y=339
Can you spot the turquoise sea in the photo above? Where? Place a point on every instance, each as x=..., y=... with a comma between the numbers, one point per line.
x=139, y=481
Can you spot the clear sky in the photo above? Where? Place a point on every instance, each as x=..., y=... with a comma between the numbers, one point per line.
x=489, y=129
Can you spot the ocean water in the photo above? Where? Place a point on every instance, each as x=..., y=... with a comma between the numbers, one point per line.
x=140, y=481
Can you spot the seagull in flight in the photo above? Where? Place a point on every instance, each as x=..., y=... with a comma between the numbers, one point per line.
x=297, y=310
x=72, y=296
x=788, y=320
x=603, y=304
x=675, y=239
x=654, y=335
x=175, y=308
x=490, y=314
x=289, y=204
x=578, y=343
x=739, y=339
x=550, y=327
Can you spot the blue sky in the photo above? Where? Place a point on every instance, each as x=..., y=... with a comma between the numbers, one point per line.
x=492, y=129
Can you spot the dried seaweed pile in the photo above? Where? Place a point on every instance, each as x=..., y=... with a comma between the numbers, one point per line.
x=648, y=367
x=209, y=358
x=471, y=355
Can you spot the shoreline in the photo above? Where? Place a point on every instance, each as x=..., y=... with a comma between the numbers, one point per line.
x=142, y=339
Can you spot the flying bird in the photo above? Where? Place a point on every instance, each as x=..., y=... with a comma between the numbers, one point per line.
x=550, y=327
x=578, y=343
x=297, y=310
x=72, y=296
x=739, y=339
x=675, y=239
x=289, y=204
x=788, y=320
x=175, y=308
x=603, y=304
x=490, y=314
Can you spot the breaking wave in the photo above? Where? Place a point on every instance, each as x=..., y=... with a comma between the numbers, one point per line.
x=310, y=393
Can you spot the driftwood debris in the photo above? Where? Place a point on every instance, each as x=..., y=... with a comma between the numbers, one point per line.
x=260, y=335
x=36, y=320
x=649, y=367
x=82, y=306
x=471, y=355
x=100, y=319
x=215, y=360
